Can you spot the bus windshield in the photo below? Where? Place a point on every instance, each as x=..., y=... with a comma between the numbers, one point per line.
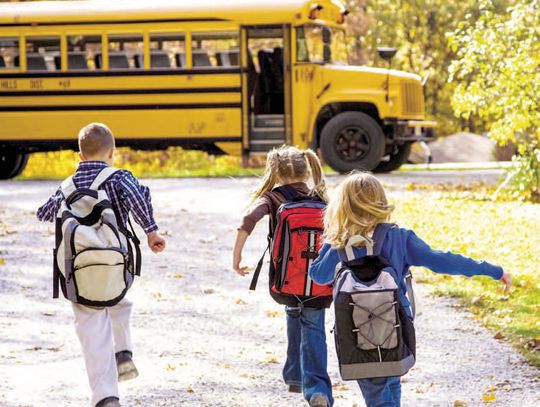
x=310, y=44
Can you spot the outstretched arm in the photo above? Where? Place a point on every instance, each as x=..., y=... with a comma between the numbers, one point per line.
x=419, y=253
x=47, y=212
x=241, y=237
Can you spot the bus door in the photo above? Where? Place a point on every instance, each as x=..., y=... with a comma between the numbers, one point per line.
x=267, y=97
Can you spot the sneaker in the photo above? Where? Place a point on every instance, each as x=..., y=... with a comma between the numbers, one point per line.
x=318, y=400
x=109, y=402
x=295, y=388
x=125, y=366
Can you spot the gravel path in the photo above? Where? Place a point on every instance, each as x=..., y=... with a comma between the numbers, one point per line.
x=202, y=339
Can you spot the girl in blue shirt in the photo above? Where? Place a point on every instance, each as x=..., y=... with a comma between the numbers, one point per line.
x=356, y=209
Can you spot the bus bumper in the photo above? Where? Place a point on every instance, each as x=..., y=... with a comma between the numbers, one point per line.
x=414, y=130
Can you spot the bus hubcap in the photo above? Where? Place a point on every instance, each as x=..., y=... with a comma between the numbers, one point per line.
x=352, y=143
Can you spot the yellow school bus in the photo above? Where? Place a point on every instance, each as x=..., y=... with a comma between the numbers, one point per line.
x=233, y=76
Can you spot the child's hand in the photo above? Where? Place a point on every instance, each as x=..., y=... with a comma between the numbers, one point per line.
x=236, y=266
x=156, y=243
x=506, y=280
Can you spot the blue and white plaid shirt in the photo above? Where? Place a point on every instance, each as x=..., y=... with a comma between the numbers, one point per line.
x=123, y=189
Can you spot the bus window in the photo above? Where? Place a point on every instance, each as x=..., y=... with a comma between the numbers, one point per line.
x=339, y=47
x=83, y=52
x=166, y=51
x=123, y=51
x=40, y=53
x=215, y=49
x=314, y=43
x=9, y=49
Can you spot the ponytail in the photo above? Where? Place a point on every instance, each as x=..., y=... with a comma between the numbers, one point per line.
x=270, y=177
x=317, y=173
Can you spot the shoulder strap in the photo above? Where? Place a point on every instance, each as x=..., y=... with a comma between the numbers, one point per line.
x=347, y=252
x=103, y=176
x=68, y=187
x=379, y=235
x=287, y=191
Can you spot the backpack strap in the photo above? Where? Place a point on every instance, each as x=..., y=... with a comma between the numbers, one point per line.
x=379, y=235
x=68, y=187
x=103, y=176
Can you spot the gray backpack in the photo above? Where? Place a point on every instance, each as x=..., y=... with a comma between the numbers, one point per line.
x=94, y=261
x=373, y=334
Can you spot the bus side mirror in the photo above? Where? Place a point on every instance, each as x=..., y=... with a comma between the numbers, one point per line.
x=387, y=53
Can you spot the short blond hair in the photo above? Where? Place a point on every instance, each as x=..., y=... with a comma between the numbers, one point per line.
x=357, y=207
x=95, y=139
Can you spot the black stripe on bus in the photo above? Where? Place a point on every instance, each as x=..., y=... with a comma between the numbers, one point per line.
x=120, y=107
x=122, y=72
x=176, y=140
x=96, y=92
x=178, y=20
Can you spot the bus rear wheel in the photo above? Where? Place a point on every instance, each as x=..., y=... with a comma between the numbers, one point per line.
x=398, y=157
x=351, y=141
x=12, y=164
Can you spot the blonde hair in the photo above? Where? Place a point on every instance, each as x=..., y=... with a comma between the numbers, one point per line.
x=291, y=163
x=358, y=206
x=95, y=139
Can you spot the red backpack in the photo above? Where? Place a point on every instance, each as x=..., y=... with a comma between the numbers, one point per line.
x=294, y=240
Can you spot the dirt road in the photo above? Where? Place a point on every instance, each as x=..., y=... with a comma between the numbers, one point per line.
x=201, y=338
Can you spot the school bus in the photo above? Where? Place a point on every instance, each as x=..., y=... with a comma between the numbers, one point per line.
x=236, y=77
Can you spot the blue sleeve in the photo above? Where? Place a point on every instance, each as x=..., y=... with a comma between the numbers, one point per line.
x=323, y=269
x=418, y=253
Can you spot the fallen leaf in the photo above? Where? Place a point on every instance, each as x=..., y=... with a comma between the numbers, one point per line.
x=488, y=398
x=271, y=359
x=240, y=302
x=226, y=366
x=2, y=262
x=209, y=291
x=498, y=335
x=170, y=368
x=460, y=403
x=190, y=389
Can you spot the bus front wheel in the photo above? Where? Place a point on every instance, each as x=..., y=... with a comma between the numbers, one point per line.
x=351, y=141
x=398, y=157
x=12, y=164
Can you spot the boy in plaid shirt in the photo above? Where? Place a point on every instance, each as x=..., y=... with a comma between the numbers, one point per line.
x=104, y=332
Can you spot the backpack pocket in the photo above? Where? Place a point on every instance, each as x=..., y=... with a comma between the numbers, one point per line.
x=100, y=274
x=375, y=317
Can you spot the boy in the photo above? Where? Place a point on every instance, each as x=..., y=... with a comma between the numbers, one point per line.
x=104, y=332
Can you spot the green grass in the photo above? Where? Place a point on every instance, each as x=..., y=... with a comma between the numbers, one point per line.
x=504, y=233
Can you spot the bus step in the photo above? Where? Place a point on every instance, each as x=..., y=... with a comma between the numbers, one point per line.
x=269, y=120
x=268, y=134
x=263, y=146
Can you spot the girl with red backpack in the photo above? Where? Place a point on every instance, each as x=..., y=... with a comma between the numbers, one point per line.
x=284, y=191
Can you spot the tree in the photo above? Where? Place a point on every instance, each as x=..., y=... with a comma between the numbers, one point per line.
x=417, y=28
x=497, y=77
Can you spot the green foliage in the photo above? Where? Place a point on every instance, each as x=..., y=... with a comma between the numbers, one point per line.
x=504, y=233
x=417, y=29
x=173, y=162
x=497, y=77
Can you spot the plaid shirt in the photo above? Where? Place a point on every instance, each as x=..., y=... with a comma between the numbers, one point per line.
x=123, y=189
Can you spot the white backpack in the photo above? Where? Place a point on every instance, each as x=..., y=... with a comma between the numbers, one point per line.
x=94, y=256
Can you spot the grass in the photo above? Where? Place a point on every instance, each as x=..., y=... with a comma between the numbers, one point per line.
x=504, y=233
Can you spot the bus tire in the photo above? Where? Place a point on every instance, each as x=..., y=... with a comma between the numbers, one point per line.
x=12, y=164
x=399, y=157
x=352, y=141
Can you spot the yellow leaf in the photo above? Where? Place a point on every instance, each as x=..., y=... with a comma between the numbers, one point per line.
x=170, y=368
x=240, y=302
x=271, y=359
x=2, y=262
x=488, y=398
x=460, y=403
x=226, y=366
x=190, y=389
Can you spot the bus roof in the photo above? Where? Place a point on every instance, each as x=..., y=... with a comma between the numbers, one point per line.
x=116, y=11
